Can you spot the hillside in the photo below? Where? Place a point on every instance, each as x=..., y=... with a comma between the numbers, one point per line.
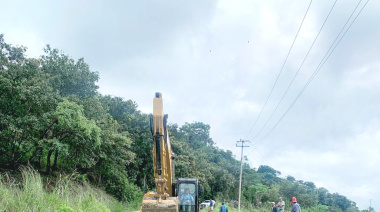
x=53, y=118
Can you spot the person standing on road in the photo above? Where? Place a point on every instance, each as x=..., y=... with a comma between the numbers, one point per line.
x=295, y=206
x=223, y=208
x=211, y=205
x=273, y=208
x=280, y=205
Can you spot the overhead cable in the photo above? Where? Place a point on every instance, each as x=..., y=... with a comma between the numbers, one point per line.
x=278, y=76
x=323, y=61
x=304, y=59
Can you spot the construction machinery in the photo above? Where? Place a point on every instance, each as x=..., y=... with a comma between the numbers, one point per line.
x=171, y=195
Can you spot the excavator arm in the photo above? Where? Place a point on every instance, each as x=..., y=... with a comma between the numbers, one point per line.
x=164, y=198
x=162, y=153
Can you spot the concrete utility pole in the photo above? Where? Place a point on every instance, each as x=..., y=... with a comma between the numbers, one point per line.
x=241, y=165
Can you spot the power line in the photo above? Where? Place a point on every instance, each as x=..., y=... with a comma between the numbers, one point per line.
x=257, y=155
x=260, y=156
x=325, y=58
x=278, y=76
x=307, y=54
x=323, y=61
x=321, y=64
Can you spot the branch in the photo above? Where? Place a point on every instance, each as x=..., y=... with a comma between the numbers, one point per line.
x=48, y=129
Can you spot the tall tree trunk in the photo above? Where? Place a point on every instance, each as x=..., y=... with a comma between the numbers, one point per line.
x=48, y=161
x=55, y=161
x=30, y=160
x=39, y=158
x=12, y=161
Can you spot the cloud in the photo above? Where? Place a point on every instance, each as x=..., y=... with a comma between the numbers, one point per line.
x=366, y=78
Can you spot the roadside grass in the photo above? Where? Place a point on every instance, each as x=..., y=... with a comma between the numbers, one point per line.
x=64, y=195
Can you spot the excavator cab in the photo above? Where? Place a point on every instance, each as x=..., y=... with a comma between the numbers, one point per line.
x=187, y=190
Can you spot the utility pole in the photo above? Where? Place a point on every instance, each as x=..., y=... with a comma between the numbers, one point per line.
x=317, y=201
x=241, y=165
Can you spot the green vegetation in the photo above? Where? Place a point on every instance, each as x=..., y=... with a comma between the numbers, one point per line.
x=67, y=194
x=53, y=118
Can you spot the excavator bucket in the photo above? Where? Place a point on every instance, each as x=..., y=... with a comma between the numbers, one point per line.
x=150, y=204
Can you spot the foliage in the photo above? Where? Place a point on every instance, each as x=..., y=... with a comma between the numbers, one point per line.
x=254, y=193
x=69, y=77
x=26, y=101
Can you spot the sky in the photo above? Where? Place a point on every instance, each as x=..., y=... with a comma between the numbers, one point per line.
x=224, y=63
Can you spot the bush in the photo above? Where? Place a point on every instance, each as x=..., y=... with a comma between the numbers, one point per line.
x=122, y=189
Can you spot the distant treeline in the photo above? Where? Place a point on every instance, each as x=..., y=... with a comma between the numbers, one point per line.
x=53, y=118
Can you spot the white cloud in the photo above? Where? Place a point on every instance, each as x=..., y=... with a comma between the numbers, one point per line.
x=366, y=77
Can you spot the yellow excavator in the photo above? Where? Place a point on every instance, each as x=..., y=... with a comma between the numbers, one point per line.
x=171, y=195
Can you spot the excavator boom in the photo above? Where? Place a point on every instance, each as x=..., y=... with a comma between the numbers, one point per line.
x=165, y=198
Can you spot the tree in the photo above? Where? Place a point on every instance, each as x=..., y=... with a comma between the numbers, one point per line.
x=273, y=193
x=131, y=120
x=70, y=135
x=254, y=193
x=322, y=196
x=69, y=77
x=197, y=133
x=269, y=170
x=26, y=99
x=10, y=55
x=290, y=178
x=341, y=201
x=311, y=185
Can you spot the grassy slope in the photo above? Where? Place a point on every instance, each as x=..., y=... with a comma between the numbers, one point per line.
x=64, y=196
